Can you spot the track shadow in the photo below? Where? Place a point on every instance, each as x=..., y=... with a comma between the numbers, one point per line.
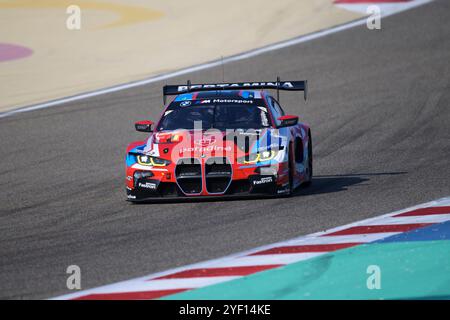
x=321, y=184
x=202, y=199
x=340, y=182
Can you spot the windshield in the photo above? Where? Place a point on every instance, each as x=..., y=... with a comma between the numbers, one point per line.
x=220, y=116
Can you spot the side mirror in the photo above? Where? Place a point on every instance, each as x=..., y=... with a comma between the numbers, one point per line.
x=288, y=120
x=144, y=126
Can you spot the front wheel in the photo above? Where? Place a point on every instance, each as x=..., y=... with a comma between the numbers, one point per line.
x=291, y=171
x=309, y=169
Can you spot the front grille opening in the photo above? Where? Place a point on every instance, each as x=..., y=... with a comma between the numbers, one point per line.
x=191, y=186
x=188, y=173
x=217, y=166
x=217, y=185
x=218, y=175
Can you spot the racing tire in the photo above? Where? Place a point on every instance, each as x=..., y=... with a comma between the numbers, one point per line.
x=308, y=181
x=291, y=174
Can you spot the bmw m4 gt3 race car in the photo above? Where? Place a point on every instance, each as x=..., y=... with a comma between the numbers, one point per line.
x=226, y=139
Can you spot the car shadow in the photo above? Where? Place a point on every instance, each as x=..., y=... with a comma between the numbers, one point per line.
x=339, y=182
x=321, y=184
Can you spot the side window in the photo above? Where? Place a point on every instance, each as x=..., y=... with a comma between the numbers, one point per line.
x=276, y=110
x=278, y=107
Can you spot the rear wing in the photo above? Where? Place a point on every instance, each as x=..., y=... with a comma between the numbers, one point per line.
x=170, y=90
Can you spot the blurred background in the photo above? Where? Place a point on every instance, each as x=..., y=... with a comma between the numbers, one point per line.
x=119, y=41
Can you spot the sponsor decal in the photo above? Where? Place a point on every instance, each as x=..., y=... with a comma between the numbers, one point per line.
x=283, y=84
x=129, y=178
x=185, y=103
x=131, y=196
x=150, y=153
x=205, y=149
x=274, y=146
x=282, y=191
x=249, y=132
x=232, y=101
x=263, y=180
x=264, y=120
x=147, y=185
x=277, y=136
x=205, y=141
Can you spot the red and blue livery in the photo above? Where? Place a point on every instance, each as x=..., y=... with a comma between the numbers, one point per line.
x=219, y=140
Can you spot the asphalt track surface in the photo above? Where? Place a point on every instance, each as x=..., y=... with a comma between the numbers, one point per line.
x=380, y=114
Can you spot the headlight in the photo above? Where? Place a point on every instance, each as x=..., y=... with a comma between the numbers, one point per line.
x=265, y=155
x=152, y=161
x=168, y=138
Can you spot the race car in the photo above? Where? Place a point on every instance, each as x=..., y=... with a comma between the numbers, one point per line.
x=221, y=140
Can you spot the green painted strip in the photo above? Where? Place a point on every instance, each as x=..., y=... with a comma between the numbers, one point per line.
x=409, y=270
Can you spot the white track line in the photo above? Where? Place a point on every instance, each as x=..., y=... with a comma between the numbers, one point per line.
x=208, y=65
x=268, y=259
x=361, y=238
x=163, y=284
x=435, y=218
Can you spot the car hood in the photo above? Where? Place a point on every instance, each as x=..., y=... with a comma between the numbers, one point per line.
x=172, y=145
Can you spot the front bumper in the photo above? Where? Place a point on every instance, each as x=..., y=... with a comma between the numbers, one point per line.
x=205, y=179
x=255, y=185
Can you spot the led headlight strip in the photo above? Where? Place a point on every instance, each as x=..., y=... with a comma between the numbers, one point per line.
x=151, y=161
x=258, y=157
